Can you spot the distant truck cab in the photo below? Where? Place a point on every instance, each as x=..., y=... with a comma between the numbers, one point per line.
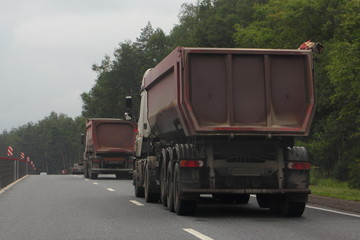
x=109, y=147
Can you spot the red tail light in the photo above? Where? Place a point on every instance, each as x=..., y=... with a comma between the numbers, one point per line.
x=191, y=163
x=299, y=165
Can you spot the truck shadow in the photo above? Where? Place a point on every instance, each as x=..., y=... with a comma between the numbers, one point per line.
x=211, y=208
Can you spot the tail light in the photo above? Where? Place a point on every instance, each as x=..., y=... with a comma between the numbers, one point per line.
x=191, y=163
x=299, y=165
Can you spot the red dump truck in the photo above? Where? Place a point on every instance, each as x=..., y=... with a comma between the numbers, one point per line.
x=109, y=147
x=223, y=122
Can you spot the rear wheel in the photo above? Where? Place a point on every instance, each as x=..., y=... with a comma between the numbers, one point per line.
x=163, y=184
x=93, y=175
x=182, y=207
x=233, y=198
x=139, y=190
x=293, y=209
x=150, y=196
x=170, y=194
x=241, y=198
x=263, y=200
x=86, y=175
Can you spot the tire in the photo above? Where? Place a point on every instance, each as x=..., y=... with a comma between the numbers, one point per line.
x=182, y=207
x=293, y=209
x=139, y=191
x=233, y=198
x=263, y=200
x=163, y=185
x=170, y=194
x=150, y=197
x=241, y=198
x=86, y=175
x=122, y=175
x=93, y=175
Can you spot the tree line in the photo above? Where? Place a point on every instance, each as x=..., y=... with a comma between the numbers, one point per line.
x=334, y=143
x=52, y=143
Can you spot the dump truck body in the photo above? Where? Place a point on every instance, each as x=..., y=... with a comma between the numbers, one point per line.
x=222, y=122
x=109, y=147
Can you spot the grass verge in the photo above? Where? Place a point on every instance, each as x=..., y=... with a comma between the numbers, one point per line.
x=335, y=189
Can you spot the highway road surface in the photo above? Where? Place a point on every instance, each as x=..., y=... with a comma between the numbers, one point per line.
x=71, y=207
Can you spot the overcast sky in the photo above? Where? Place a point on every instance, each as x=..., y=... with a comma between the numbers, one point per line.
x=47, y=48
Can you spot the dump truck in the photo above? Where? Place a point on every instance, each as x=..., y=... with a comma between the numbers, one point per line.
x=222, y=122
x=109, y=147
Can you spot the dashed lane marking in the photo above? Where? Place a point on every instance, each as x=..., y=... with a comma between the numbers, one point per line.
x=136, y=203
x=110, y=189
x=197, y=234
x=95, y=183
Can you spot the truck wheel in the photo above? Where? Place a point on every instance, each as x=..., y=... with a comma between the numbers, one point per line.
x=233, y=198
x=139, y=191
x=170, y=194
x=93, y=175
x=293, y=209
x=150, y=197
x=182, y=207
x=121, y=175
x=263, y=200
x=86, y=174
x=241, y=198
x=163, y=184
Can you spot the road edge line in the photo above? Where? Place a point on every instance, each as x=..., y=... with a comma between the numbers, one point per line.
x=12, y=184
x=333, y=211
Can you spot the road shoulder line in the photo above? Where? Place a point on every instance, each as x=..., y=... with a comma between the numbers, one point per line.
x=12, y=184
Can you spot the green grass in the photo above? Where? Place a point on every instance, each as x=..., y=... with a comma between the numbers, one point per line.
x=332, y=188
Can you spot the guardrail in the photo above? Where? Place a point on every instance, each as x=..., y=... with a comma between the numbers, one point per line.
x=11, y=169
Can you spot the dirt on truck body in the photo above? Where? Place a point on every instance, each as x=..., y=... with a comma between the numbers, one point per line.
x=223, y=122
x=109, y=147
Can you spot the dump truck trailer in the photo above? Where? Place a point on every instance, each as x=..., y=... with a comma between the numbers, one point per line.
x=109, y=147
x=222, y=122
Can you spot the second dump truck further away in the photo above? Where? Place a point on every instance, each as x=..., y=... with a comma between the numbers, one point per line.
x=223, y=122
x=109, y=147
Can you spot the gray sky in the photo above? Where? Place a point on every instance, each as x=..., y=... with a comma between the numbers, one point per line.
x=47, y=48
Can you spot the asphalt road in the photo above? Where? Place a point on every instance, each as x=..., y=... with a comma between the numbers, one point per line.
x=70, y=207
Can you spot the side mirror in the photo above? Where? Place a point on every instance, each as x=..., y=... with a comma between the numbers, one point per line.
x=128, y=102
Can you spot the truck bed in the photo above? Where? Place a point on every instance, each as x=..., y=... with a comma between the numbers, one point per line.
x=205, y=91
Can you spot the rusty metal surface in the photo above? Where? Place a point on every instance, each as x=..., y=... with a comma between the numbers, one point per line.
x=202, y=91
x=264, y=93
x=110, y=135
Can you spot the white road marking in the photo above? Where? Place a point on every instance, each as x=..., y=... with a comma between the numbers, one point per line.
x=333, y=211
x=86, y=180
x=136, y=203
x=12, y=184
x=95, y=183
x=327, y=210
x=110, y=189
x=197, y=234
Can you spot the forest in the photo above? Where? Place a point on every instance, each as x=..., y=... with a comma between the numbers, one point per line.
x=334, y=142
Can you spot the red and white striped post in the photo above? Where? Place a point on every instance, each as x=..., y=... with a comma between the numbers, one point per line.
x=10, y=152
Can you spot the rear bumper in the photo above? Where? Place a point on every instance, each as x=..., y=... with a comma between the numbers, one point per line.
x=245, y=191
x=111, y=170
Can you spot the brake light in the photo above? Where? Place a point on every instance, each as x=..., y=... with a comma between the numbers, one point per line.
x=191, y=163
x=299, y=165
